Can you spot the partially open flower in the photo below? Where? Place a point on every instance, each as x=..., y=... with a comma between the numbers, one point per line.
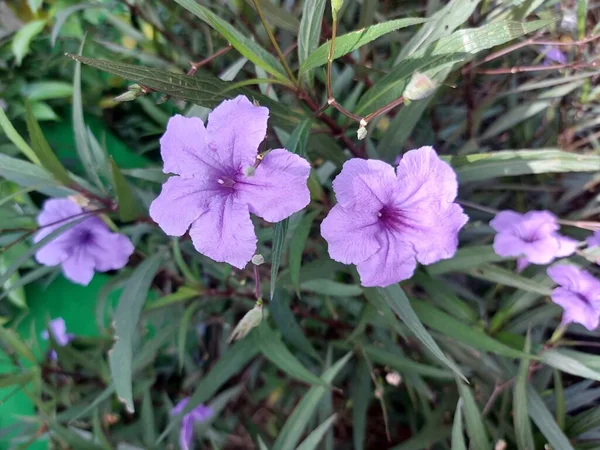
x=252, y=319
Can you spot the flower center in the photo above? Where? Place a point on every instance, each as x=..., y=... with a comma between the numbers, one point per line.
x=86, y=237
x=391, y=217
x=226, y=182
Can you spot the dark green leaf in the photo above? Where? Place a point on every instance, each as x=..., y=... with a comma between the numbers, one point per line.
x=349, y=42
x=458, y=437
x=567, y=364
x=540, y=415
x=279, y=235
x=129, y=208
x=277, y=16
x=475, y=427
x=523, y=433
x=403, y=364
x=127, y=315
x=13, y=341
x=395, y=298
x=42, y=149
x=310, y=31
x=330, y=287
x=464, y=259
x=16, y=138
x=362, y=392
x=312, y=440
x=23, y=37
x=297, y=244
x=499, y=275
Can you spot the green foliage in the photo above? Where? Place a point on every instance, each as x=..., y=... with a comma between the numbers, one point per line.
x=466, y=353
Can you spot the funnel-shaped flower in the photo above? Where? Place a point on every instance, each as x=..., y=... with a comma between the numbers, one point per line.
x=532, y=236
x=220, y=181
x=386, y=222
x=197, y=415
x=578, y=295
x=82, y=249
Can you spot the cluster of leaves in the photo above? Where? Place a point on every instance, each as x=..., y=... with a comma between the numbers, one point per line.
x=462, y=355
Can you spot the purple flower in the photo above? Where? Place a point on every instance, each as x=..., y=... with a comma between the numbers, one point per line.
x=552, y=54
x=221, y=181
x=197, y=415
x=59, y=332
x=594, y=239
x=83, y=248
x=386, y=222
x=578, y=295
x=531, y=236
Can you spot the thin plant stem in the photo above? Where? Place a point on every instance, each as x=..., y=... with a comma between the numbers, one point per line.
x=274, y=42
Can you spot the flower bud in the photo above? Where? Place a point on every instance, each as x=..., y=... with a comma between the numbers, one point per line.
x=419, y=87
x=249, y=171
x=361, y=133
x=134, y=91
x=252, y=319
x=258, y=259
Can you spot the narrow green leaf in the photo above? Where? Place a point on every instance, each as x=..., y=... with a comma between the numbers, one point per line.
x=475, y=427
x=508, y=163
x=11, y=379
x=42, y=149
x=16, y=138
x=540, y=415
x=297, y=244
x=464, y=259
x=499, y=275
x=584, y=422
x=279, y=235
x=444, y=298
x=426, y=438
x=405, y=365
x=298, y=141
x=127, y=315
x=84, y=151
x=329, y=287
x=515, y=116
x=275, y=351
x=241, y=43
x=349, y=42
x=232, y=361
x=458, y=437
x=47, y=90
x=310, y=31
x=298, y=421
x=563, y=362
x=451, y=327
x=277, y=16
x=34, y=248
x=182, y=332
x=128, y=205
x=523, y=433
x=312, y=440
x=362, y=392
x=23, y=37
x=147, y=419
x=287, y=324
x=203, y=89
x=559, y=399
x=12, y=340
x=397, y=300
x=458, y=47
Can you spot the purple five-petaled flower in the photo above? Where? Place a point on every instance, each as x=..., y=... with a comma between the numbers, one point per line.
x=552, y=54
x=221, y=180
x=58, y=328
x=385, y=221
x=197, y=415
x=578, y=294
x=82, y=249
x=533, y=237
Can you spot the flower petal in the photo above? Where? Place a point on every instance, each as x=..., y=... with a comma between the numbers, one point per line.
x=505, y=220
x=365, y=184
x=187, y=432
x=507, y=244
x=278, y=187
x=425, y=177
x=351, y=235
x=594, y=239
x=576, y=310
x=181, y=201
x=577, y=280
x=224, y=232
x=110, y=251
x=183, y=148
x=537, y=224
x=566, y=246
x=541, y=251
x=393, y=262
x=235, y=130
x=79, y=267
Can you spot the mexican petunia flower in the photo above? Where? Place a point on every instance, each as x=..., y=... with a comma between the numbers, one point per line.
x=578, y=294
x=197, y=415
x=221, y=181
x=533, y=237
x=58, y=329
x=552, y=54
x=82, y=249
x=385, y=221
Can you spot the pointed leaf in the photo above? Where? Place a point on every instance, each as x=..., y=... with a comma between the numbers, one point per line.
x=458, y=437
x=279, y=235
x=128, y=205
x=523, y=433
x=475, y=427
x=297, y=244
x=538, y=411
x=310, y=31
x=312, y=440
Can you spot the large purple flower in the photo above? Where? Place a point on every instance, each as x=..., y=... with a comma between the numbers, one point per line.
x=221, y=181
x=532, y=236
x=386, y=222
x=578, y=295
x=84, y=247
x=58, y=328
x=197, y=415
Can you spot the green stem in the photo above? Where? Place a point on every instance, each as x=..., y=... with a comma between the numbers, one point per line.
x=185, y=270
